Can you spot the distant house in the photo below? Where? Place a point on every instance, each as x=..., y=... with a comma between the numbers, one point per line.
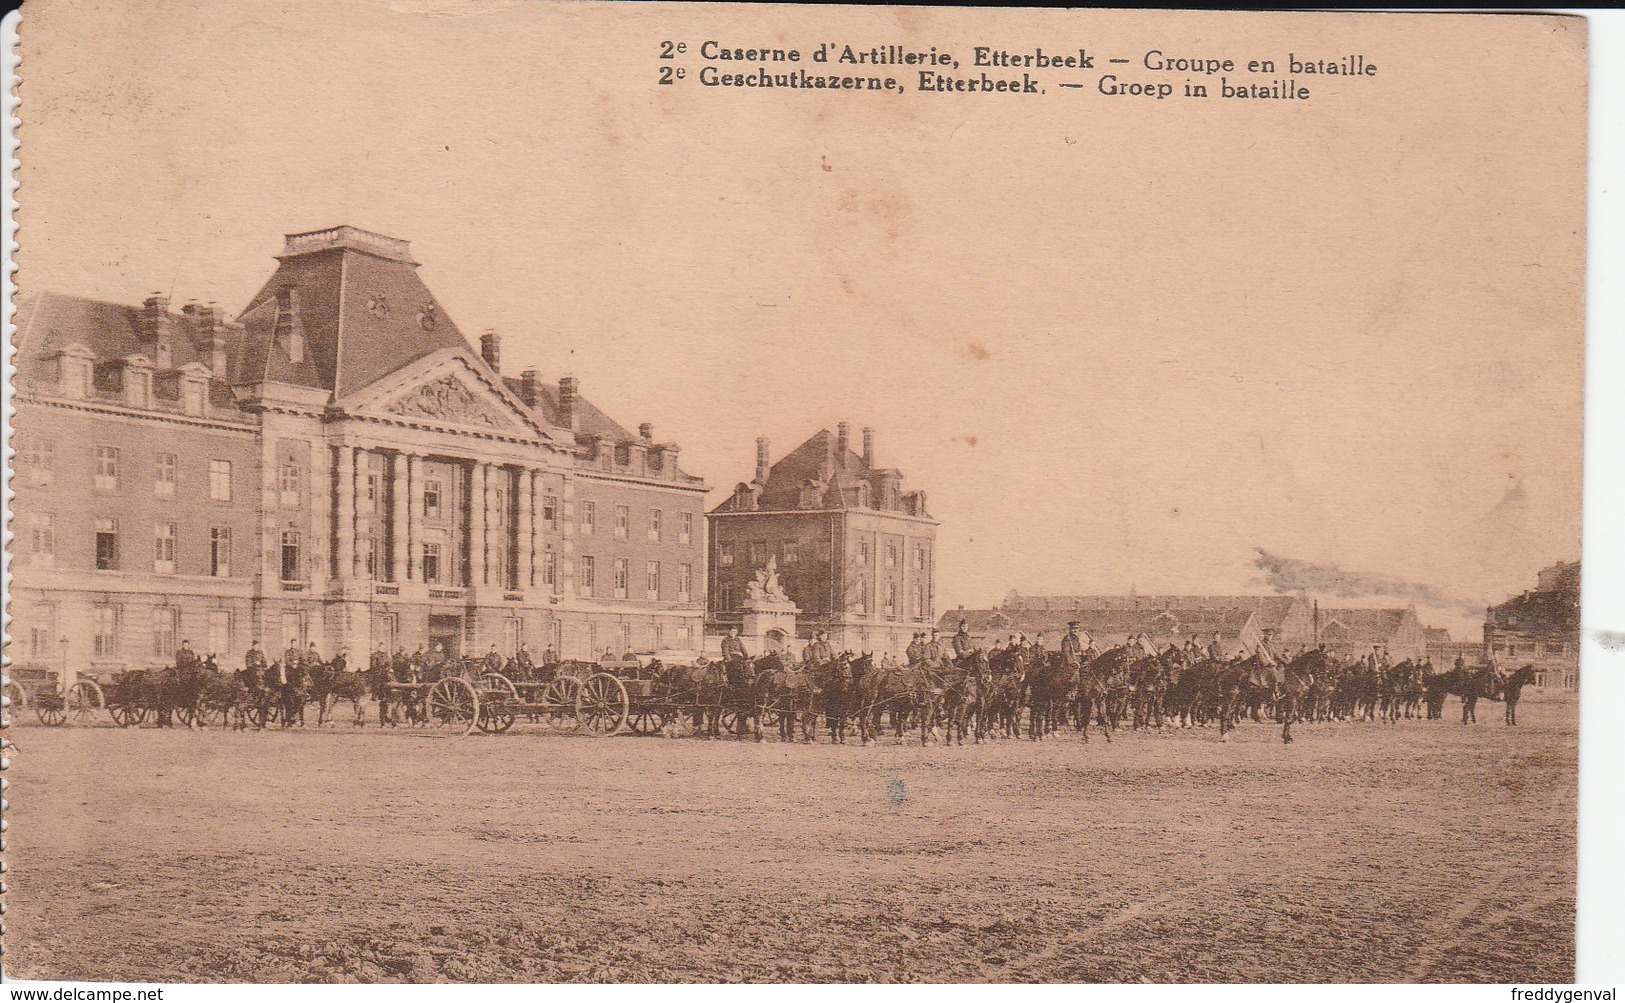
x=1541, y=627
x=1443, y=650
x=1239, y=621
x=1352, y=633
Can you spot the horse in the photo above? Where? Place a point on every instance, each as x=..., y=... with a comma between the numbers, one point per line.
x=331, y=682
x=1512, y=691
x=881, y=689
x=835, y=688
x=1052, y=684
x=1294, y=682
x=787, y=694
x=702, y=687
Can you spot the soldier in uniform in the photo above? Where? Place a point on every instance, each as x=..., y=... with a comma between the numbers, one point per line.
x=312, y=659
x=733, y=649
x=493, y=660
x=1072, y=647
x=962, y=641
x=522, y=662
x=1215, y=648
x=818, y=653
x=185, y=657
x=1039, y=647
x=254, y=665
x=292, y=657
x=916, y=650
x=936, y=650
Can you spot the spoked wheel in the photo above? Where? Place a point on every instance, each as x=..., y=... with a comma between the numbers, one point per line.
x=85, y=701
x=52, y=711
x=499, y=687
x=603, y=704
x=213, y=712
x=496, y=718
x=454, y=704
x=126, y=716
x=258, y=714
x=18, y=696
x=648, y=720
x=560, y=696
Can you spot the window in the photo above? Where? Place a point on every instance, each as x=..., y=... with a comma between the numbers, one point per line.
x=106, y=544
x=725, y=554
x=166, y=623
x=589, y=575
x=655, y=518
x=369, y=556
x=550, y=570
x=623, y=519
x=791, y=553
x=919, y=557
x=289, y=480
x=39, y=455
x=863, y=552
x=756, y=557
x=866, y=600
x=685, y=528
x=891, y=555
x=499, y=499
x=891, y=600
x=220, y=551
x=620, y=577
x=104, y=643
x=685, y=637
x=685, y=582
x=220, y=633
x=550, y=511
x=163, y=478
x=431, y=499
x=163, y=548
x=42, y=539
x=431, y=563
x=725, y=597
x=372, y=488
x=651, y=580
x=42, y=638
x=589, y=517
x=106, y=468
x=220, y=480
x=291, y=569
x=920, y=608
x=626, y=637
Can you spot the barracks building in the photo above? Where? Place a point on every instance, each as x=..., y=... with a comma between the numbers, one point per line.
x=335, y=465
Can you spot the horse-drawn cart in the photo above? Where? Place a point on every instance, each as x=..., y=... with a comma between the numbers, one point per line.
x=42, y=690
x=565, y=697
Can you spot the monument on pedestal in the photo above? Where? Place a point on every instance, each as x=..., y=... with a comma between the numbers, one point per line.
x=769, y=622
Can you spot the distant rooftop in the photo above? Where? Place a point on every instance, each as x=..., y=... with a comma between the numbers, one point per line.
x=352, y=237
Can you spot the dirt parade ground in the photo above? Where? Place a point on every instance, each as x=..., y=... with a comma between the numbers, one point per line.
x=1421, y=851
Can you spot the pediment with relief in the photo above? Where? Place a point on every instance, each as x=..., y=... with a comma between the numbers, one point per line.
x=450, y=401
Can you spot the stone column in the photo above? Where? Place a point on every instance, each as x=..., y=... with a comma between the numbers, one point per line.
x=344, y=561
x=398, y=505
x=496, y=498
x=539, y=533
x=478, y=509
x=522, y=529
x=414, y=514
x=363, y=517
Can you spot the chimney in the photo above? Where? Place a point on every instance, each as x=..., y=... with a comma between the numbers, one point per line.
x=843, y=443
x=568, y=388
x=761, y=460
x=208, y=335
x=528, y=384
x=491, y=349
x=646, y=431
x=868, y=447
x=157, y=329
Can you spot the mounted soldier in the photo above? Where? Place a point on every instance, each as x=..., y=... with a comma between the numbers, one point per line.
x=1215, y=648
x=379, y=662
x=936, y=650
x=312, y=658
x=916, y=649
x=291, y=657
x=185, y=657
x=1072, y=646
x=733, y=649
x=522, y=662
x=493, y=660
x=962, y=641
x=818, y=654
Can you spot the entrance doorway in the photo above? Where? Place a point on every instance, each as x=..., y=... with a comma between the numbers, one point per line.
x=446, y=632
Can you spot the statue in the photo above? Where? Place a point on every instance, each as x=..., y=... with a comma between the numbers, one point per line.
x=765, y=589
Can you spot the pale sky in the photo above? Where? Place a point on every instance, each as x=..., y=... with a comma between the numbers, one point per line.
x=1119, y=344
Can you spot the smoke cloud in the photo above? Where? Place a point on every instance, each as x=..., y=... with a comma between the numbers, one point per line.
x=1288, y=574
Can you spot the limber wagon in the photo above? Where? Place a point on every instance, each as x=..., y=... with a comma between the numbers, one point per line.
x=41, y=689
x=565, y=698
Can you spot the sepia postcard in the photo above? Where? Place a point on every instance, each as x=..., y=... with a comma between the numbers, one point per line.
x=516, y=492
